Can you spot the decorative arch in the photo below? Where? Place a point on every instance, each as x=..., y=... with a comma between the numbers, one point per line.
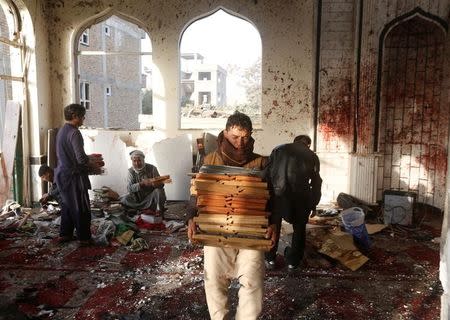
x=416, y=12
x=205, y=104
x=211, y=12
x=131, y=120
x=412, y=125
x=102, y=16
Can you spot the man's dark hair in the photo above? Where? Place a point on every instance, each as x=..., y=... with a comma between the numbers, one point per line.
x=239, y=119
x=304, y=139
x=74, y=110
x=44, y=169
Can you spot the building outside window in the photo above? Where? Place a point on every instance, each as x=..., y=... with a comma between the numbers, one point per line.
x=204, y=76
x=115, y=58
x=84, y=39
x=85, y=98
x=220, y=71
x=204, y=98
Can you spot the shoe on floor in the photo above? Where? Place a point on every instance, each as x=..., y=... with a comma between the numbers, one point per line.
x=63, y=239
x=270, y=264
x=86, y=243
x=292, y=267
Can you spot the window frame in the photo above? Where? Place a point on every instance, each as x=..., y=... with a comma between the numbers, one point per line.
x=248, y=89
x=204, y=76
x=85, y=101
x=16, y=76
x=79, y=52
x=107, y=30
x=85, y=34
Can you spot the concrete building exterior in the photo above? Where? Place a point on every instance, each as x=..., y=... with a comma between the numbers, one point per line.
x=203, y=85
x=110, y=85
x=369, y=81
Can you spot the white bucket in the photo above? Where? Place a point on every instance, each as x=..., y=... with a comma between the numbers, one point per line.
x=353, y=217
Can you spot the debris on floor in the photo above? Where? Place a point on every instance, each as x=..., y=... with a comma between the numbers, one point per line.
x=159, y=275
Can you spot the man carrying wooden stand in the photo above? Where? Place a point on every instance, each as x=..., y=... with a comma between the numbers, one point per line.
x=235, y=148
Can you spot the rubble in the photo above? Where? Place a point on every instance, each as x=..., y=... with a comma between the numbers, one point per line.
x=165, y=281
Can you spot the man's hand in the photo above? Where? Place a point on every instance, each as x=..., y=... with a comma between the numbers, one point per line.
x=271, y=234
x=191, y=229
x=44, y=198
x=147, y=183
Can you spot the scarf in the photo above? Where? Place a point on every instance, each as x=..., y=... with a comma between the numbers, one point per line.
x=232, y=156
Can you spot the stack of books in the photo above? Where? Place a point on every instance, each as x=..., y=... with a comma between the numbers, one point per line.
x=231, y=210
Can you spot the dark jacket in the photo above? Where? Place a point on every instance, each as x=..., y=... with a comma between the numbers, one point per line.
x=295, y=183
x=53, y=193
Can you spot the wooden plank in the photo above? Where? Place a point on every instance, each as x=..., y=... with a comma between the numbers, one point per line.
x=231, y=190
x=237, y=211
x=213, y=176
x=253, y=184
x=236, y=230
x=230, y=220
x=243, y=196
x=232, y=242
x=162, y=179
x=230, y=204
x=231, y=198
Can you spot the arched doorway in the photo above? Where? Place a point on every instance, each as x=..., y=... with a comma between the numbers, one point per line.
x=413, y=121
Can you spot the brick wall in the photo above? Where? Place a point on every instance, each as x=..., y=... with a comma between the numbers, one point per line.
x=122, y=73
x=335, y=83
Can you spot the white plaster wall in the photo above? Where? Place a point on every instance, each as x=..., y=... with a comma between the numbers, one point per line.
x=444, y=267
x=39, y=88
x=171, y=156
x=287, y=56
x=334, y=168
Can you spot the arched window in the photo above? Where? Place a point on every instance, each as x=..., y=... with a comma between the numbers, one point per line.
x=11, y=73
x=114, y=74
x=220, y=61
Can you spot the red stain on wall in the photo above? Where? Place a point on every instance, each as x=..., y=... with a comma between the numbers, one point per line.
x=413, y=118
x=336, y=117
x=434, y=159
x=365, y=107
x=289, y=105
